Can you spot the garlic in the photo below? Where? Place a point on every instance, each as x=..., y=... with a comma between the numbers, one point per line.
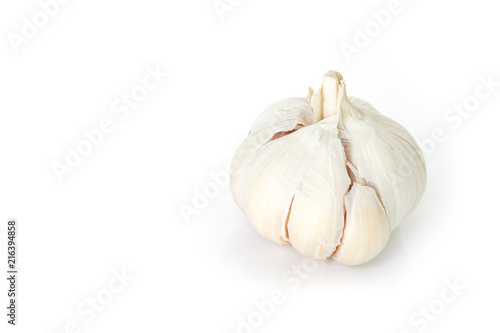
x=324, y=174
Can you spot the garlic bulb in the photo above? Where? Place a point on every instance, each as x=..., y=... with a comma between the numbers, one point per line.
x=328, y=174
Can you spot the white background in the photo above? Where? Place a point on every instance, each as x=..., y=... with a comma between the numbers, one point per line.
x=120, y=208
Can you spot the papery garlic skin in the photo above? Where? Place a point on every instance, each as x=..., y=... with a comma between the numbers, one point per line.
x=328, y=174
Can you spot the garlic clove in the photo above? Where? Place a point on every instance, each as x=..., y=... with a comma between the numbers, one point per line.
x=270, y=182
x=386, y=155
x=281, y=117
x=316, y=218
x=367, y=228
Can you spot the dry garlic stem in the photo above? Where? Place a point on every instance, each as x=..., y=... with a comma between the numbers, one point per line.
x=328, y=174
